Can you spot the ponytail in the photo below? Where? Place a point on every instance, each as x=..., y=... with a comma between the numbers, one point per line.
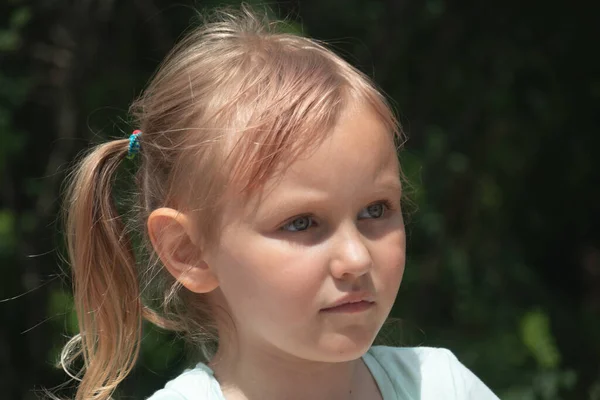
x=106, y=289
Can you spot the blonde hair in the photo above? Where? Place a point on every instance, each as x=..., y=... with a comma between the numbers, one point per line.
x=233, y=103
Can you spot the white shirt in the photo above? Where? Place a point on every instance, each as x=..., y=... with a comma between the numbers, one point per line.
x=406, y=373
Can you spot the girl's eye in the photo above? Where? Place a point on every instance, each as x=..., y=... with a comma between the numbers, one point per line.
x=373, y=211
x=299, y=224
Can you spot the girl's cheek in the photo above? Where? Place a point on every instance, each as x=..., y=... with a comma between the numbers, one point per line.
x=394, y=256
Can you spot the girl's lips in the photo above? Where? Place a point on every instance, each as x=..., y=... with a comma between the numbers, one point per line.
x=350, y=307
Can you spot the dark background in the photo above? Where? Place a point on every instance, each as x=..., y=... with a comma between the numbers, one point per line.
x=500, y=100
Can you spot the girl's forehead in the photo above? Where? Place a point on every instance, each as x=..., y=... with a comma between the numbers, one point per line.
x=358, y=152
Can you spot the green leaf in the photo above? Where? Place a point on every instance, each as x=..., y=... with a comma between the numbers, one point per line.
x=20, y=17
x=536, y=334
x=9, y=40
x=61, y=303
x=7, y=230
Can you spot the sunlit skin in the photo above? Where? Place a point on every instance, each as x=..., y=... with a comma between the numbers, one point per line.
x=330, y=226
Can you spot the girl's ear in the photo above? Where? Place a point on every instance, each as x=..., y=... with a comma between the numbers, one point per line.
x=178, y=246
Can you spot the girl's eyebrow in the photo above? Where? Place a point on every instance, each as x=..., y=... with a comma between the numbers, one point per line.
x=296, y=201
x=393, y=184
x=302, y=199
x=389, y=182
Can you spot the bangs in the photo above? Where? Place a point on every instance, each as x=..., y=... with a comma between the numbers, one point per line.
x=290, y=107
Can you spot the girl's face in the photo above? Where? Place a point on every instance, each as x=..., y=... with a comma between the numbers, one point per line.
x=328, y=230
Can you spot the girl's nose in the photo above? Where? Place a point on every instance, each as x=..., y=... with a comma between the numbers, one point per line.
x=351, y=256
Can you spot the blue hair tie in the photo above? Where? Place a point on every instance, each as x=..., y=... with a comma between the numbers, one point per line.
x=134, y=144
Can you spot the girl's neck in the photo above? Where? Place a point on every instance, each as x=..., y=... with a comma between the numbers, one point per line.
x=252, y=373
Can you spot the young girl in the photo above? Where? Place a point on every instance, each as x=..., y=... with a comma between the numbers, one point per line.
x=268, y=199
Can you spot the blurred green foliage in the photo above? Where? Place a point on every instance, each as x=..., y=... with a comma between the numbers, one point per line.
x=500, y=101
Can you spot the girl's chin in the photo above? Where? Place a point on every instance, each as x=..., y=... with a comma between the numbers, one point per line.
x=345, y=348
